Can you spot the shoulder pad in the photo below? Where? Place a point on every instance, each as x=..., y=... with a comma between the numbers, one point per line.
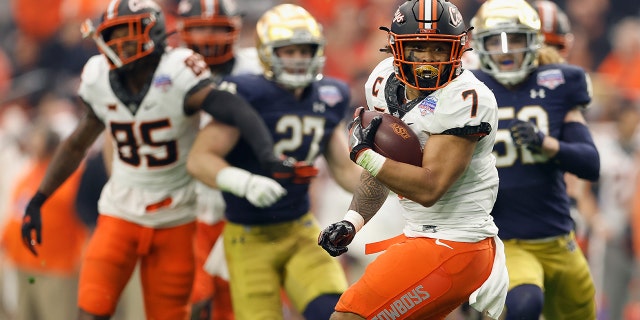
x=574, y=82
x=95, y=66
x=453, y=105
x=185, y=66
x=375, y=87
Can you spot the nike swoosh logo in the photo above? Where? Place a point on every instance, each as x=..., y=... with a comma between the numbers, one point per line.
x=438, y=242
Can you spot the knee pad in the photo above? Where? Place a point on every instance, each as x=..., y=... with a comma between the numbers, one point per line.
x=321, y=307
x=524, y=302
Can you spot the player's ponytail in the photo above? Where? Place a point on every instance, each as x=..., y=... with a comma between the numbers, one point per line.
x=549, y=55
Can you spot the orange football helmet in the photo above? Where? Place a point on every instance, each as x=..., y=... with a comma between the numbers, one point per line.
x=216, y=47
x=145, y=26
x=555, y=26
x=433, y=21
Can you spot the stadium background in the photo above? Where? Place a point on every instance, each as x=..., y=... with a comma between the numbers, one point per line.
x=42, y=54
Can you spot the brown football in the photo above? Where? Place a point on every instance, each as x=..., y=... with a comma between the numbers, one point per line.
x=394, y=139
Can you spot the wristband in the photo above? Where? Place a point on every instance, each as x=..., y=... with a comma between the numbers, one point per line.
x=355, y=218
x=233, y=180
x=371, y=161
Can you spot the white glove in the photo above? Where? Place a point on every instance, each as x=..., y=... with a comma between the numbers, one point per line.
x=260, y=191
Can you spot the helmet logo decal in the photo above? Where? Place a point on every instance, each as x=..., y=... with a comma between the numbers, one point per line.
x=137, y=5
x=456, y=16
x=426, y=71
x=398, y=17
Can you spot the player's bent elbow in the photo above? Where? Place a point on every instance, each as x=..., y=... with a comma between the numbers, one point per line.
x=592, y=175
x=426, y=204
x=587, y=171
x=425, y=199
x=426, y=195
x=581, y=159
x=192, y=166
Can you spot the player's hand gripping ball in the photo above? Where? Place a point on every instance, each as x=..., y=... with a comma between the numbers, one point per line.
x=393, y=139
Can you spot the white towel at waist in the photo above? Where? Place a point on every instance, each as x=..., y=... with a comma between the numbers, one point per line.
x=216, y=264
x=491, y=295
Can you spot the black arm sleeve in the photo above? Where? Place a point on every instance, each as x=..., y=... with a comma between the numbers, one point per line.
x=578, y=153
x=234, y=110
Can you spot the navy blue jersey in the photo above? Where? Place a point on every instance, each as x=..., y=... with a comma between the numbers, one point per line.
x=532, y=200
x=301, y=129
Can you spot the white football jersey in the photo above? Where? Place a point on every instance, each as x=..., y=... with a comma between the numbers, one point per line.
x=463, y=212
x=149, y=183
x=210, y=202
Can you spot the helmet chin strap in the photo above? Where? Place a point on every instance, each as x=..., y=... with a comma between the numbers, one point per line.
x=108, y=52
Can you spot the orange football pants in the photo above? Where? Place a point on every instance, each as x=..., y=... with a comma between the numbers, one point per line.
x=419, y=278
x=206, y=286
x=166, y=267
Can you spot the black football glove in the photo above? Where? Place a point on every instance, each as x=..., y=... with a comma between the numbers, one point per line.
x=336, y=237
x=361, y=139
x=280, y=169
x=32, y=222
x=289, y=170
x=526, y=134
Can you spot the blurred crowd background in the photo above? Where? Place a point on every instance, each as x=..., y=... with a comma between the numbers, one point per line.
x=42, y=54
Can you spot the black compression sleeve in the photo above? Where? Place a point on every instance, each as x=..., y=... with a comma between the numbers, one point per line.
x=234, y=110
x=578, y=153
